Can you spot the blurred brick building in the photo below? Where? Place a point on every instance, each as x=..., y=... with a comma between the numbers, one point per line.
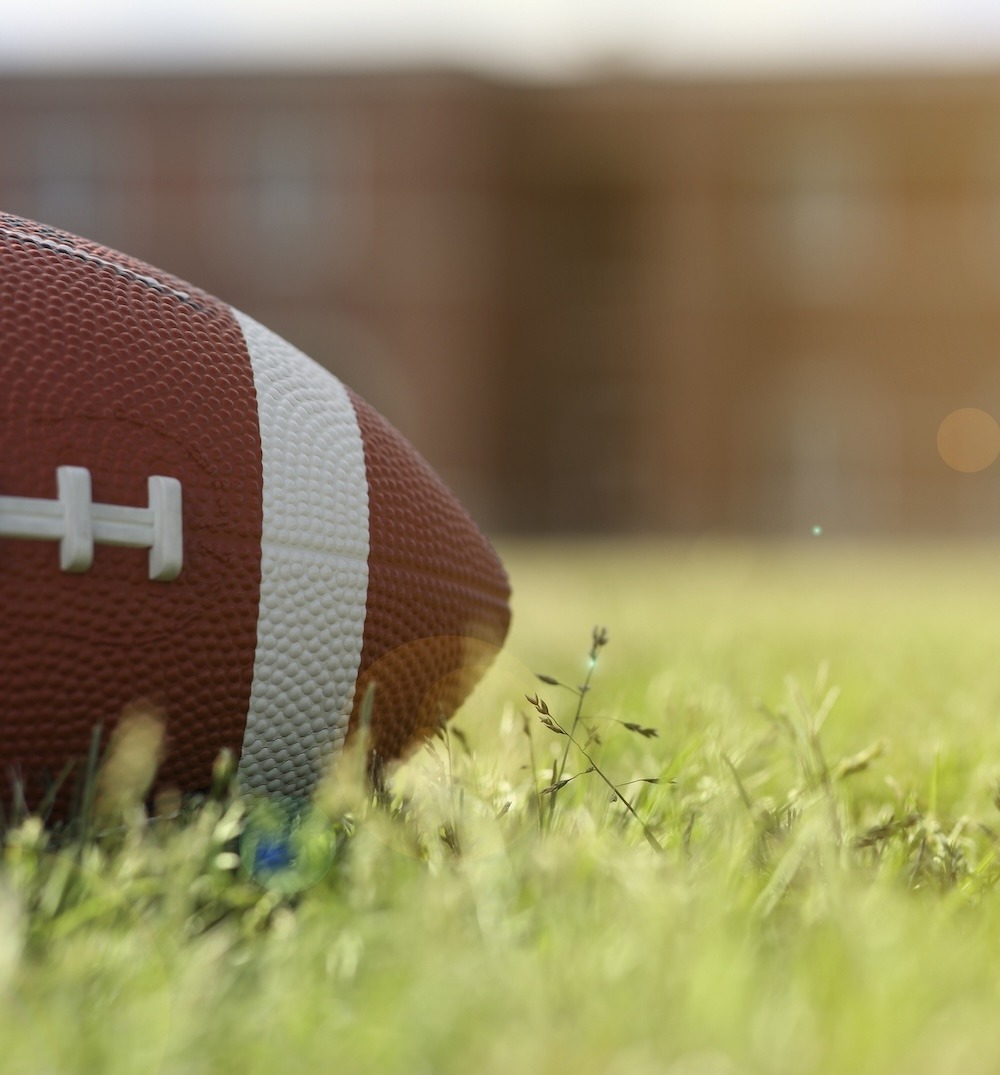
x=618, y=305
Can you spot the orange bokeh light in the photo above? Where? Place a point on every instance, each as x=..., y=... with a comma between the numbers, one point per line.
x=969, y=440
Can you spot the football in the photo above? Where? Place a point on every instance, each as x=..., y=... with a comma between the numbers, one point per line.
x=196, y=515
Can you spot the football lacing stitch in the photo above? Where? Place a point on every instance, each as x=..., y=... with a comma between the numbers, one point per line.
x=77, y=523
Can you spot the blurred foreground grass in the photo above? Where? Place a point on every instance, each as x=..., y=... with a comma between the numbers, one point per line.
x=826, y=900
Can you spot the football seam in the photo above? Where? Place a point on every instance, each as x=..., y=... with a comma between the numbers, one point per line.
x=466, y=583
x=93, y=259
x=273, y=545
x=497, y=599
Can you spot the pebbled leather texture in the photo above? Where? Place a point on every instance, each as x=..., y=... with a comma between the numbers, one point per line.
x=321, y=552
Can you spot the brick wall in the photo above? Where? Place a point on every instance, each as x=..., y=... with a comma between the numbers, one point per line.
x=619, y=305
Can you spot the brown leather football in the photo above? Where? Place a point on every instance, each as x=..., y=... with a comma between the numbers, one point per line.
x=193, y=512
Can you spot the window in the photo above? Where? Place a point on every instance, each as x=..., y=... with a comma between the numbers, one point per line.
x=290, y=196
x=84, y=172
x=822, y=223
x=826, y=445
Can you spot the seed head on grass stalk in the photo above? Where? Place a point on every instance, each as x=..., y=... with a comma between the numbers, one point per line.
x=599, y=639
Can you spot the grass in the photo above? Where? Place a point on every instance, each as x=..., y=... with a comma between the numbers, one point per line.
x=820, y=893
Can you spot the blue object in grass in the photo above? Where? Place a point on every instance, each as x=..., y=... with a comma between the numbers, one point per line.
x=287, y=844
x=272, y=855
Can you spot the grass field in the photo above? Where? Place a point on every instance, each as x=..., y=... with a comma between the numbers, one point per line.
x=825, y=898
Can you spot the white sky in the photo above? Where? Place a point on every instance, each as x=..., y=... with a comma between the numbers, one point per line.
x=534, y=38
